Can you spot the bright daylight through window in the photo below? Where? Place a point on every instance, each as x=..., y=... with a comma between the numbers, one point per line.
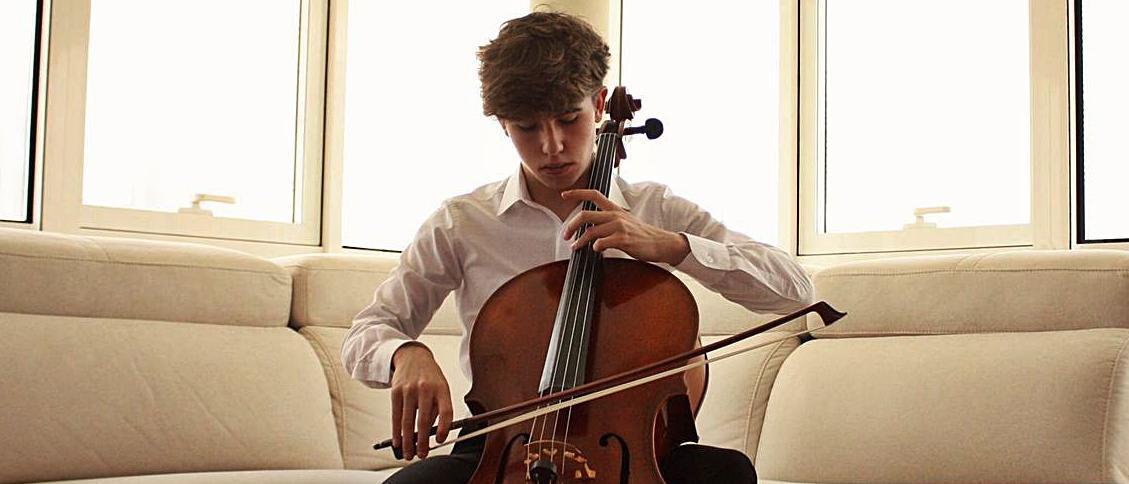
x=17, y=52
x=187, y=98
x=1104, y=160
x=913, y=116
x=414, y=130
x=721, y=110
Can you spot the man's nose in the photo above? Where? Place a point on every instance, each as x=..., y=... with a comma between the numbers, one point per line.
x=551, y=139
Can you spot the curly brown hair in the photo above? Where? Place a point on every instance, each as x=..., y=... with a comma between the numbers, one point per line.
x=542, y=63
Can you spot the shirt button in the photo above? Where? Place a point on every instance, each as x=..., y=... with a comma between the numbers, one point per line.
x=709, y=258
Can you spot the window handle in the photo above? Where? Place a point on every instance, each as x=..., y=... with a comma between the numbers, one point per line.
x=920, y=214
x=205, y=197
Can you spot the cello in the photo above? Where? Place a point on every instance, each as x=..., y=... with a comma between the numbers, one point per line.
x=582, y=325
x=568, y=322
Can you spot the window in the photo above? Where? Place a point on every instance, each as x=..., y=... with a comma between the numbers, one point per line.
x=720, y=106
x=414, y=133
x=18, y=32
x=1102, y=102
x=177, y=101
x=910, y=117
x=185, y=113
x=934, y=119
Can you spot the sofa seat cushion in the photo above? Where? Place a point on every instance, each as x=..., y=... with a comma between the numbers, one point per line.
x=302, y=476
x=88, y=397
x=1020, y=407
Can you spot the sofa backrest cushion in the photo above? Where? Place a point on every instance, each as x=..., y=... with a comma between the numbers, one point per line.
x=94, y=397
x=69, y=275
x=1007, y=407
x=330, y=289
x=1034, y=290
x=738, y=391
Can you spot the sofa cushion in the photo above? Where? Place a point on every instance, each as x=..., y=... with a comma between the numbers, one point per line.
x=364, y=414
x=718, y=316
x=315, y=476
x=738, y=390
x=69, y=275
x=86, y=397
x=1034, y=290
x=1019, y=407
x=330, y=289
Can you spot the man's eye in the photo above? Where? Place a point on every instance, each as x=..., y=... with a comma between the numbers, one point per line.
x=527, y=127
x=569, y=120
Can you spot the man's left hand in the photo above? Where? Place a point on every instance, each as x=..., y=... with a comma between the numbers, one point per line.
x=612, y=227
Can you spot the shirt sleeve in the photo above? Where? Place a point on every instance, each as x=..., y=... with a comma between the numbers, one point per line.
x=403, y=304
x=758, y=276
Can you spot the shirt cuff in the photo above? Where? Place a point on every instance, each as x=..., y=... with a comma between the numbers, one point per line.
x=381, y=365
x=708, y=260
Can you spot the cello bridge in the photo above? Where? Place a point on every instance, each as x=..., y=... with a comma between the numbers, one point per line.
x=571, y=461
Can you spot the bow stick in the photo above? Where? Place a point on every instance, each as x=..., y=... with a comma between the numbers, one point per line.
x=628, y=379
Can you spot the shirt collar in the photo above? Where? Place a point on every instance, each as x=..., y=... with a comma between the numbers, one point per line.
x=516, y=190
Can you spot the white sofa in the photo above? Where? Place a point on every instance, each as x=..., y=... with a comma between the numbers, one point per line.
x=134, y=361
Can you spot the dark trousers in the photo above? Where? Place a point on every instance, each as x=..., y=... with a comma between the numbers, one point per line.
x=686, y=464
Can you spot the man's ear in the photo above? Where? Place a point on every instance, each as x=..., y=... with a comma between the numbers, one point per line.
x=503, y=125
x=598, y=101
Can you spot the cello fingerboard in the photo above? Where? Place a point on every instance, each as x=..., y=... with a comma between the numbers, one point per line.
x=566, y=361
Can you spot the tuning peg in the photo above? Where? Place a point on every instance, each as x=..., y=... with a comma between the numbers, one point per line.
x=652, y=127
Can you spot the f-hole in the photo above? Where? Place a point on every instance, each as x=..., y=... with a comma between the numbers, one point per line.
x=506, y=457
x=624, y=456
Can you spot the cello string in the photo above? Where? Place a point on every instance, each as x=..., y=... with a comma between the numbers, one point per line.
x=582, y=257
x=570, y=280
x=583, y=287
x=563, y=317
x=578, y=259
x=568, y=331
x=603, y=183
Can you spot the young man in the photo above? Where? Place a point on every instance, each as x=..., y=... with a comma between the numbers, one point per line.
x=542, y=79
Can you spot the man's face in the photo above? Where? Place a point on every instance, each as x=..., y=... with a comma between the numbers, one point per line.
x=556, y=150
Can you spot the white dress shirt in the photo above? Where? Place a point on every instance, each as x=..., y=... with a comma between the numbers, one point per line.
x=476, y=242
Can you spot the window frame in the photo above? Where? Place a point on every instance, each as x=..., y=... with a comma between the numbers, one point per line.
x=61, y=100
x=1050, y=141
x=64, y=136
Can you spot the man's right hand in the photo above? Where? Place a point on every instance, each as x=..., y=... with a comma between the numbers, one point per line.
x=418, y=384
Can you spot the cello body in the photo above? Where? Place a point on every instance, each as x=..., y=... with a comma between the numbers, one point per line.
x=561, y=325
x=642, y=314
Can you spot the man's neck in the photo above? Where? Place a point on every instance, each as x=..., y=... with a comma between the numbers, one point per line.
x=551, y=198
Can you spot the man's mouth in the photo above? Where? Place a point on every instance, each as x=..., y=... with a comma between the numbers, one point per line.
x=556, y=168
